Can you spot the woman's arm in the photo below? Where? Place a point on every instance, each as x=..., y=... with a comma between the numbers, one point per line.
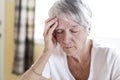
x=34, y=73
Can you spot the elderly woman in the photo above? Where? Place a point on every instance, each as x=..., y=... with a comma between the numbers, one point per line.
x=69, y=53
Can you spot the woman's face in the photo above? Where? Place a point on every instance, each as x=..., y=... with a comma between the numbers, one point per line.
x=71, y=36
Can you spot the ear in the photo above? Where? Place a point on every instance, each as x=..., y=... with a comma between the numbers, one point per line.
x=89, y=29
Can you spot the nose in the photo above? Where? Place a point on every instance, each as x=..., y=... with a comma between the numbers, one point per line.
x=67, y=38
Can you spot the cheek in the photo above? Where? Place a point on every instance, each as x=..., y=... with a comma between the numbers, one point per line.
x=59, y=39
x=80, y=38
x=77, y=37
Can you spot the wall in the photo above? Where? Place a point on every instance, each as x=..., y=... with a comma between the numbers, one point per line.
x=38, y=50
x=9, y=42
x=9, y=37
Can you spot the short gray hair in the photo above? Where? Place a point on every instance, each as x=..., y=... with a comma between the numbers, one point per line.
x=78, y=10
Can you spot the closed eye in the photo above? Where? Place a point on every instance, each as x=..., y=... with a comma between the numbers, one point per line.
x=59, y=31
x=74, y=31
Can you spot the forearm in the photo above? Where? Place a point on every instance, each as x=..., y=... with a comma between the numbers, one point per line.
x=29, y=75
x=37, y=67
x=41, y=62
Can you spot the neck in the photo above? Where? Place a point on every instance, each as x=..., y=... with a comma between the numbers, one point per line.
x=84, y=55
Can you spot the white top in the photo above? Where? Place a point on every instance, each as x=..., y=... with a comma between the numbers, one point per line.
x=105, y=64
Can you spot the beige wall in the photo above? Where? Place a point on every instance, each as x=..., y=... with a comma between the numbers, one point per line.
x=9, y=46
x=9, y=42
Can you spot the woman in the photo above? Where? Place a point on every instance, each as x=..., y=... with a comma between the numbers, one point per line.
x=69, y=53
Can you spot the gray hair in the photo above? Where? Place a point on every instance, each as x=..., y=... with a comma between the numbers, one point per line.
x=78, y=10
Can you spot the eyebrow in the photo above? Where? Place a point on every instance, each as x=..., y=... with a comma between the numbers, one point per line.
x=58, y=29
x=75, y=26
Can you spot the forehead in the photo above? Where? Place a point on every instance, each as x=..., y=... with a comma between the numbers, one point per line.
x=67, y=22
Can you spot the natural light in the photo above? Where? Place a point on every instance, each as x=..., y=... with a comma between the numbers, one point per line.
x=105, y=22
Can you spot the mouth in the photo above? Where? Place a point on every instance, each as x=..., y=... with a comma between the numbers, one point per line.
x=67, y=47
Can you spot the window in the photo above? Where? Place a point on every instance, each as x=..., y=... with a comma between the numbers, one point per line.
x=105, y=22
x=41, y=14
x=106, y=17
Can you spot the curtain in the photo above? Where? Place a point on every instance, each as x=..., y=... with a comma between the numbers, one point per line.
x=23, y=35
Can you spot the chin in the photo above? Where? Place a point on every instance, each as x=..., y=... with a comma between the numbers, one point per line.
x=69, y=52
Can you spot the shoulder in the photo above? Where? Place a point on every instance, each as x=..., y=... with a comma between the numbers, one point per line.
x=105, y=60
x=105, y=49
x=105, y=53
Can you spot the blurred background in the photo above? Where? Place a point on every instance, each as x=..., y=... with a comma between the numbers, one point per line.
x=22, y=25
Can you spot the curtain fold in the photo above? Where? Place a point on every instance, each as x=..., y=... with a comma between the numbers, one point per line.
x=24, y=35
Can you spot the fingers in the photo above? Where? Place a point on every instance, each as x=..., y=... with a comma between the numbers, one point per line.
x=50, y=25
x=49, y=19
x=51, y=30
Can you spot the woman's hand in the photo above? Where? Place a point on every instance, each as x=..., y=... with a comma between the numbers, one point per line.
x=49, y=35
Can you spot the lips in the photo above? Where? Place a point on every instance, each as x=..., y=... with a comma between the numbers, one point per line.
x=67, y=47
